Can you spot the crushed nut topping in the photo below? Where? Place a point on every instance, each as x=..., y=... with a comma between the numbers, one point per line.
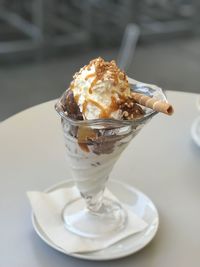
x=106, y=70
x=130, y=109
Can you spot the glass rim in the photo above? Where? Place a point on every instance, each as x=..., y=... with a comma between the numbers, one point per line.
x=150, y=113
x=110, y=121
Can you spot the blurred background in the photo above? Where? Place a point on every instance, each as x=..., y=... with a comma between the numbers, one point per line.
x=43, y=42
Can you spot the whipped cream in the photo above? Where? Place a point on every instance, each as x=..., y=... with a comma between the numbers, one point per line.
x=98, y=87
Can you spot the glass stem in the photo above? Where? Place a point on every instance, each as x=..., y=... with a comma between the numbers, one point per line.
x=94, y=202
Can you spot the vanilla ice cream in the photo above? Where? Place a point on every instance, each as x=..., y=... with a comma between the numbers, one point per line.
x=99, y=88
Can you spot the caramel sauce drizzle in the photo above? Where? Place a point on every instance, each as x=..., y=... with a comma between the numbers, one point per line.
x=90, y=75
x=72, y=86
x=104, y=113
x=76, y=98
x=84, y=106
x=111, y=70
x=92, y=85
x=113, y=107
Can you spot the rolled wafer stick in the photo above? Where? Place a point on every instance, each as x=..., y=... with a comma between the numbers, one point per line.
x=153, y=103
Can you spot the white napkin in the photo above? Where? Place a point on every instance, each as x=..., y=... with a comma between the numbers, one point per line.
x=47, y=209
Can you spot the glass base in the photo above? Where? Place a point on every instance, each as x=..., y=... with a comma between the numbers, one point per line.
x=109, y=219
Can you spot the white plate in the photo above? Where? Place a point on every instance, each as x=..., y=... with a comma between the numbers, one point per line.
x=137, y=201
x=195, y=131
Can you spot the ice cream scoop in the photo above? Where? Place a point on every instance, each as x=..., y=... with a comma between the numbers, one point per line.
x=100, y=90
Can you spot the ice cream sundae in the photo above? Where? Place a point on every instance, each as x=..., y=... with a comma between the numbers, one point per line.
x=101, y=112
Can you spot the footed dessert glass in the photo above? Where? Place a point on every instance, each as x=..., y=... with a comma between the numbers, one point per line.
x=93, y=147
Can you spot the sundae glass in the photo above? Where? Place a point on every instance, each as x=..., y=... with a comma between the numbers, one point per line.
x=100, y=116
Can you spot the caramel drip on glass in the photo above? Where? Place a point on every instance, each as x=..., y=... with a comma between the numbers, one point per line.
x=84, y=147
x=84, y=134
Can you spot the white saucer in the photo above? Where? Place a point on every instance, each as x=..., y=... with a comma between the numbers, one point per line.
x=195, y=131
x=137, y=201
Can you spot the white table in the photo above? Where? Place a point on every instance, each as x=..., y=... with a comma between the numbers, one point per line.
x=162, y=161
